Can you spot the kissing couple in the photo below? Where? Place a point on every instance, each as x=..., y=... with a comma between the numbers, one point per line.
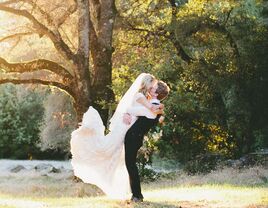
x=109, y=161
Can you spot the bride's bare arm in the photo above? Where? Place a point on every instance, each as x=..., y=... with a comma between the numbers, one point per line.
x=147, y=104
x=156, y=109
x=140, y=111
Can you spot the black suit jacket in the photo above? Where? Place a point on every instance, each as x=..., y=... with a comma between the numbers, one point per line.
x=136, y=132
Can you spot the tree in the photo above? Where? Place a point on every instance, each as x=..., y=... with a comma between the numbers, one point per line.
x=205, y=58
x=84, y=67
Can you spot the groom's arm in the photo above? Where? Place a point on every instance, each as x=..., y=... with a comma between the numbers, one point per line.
x=141, y=112
x=138, y=112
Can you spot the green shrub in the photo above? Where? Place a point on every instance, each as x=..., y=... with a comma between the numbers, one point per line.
x=21, y=114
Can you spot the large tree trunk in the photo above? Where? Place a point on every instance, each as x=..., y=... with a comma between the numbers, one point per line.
x=82, y=98
x=82, y=85
x=101, y=32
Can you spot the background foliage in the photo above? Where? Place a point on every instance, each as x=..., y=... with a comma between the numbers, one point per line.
x=217, y=97
x=21, y=115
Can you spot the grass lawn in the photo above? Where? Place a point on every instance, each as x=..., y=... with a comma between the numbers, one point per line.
x=220, y=189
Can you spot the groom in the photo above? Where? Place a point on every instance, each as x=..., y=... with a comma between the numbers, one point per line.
x=134, y=140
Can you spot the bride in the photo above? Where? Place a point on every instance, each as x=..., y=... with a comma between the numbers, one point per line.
x=98, y=158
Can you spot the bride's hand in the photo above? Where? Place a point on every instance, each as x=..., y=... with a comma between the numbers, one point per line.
x=127, y=118
x=154, y=107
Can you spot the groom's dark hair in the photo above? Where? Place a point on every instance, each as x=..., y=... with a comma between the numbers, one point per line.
x=162, y=90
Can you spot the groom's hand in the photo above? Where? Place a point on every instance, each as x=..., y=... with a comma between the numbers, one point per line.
x=161, y=106
x=161, y=119
x=159, y=110
x=127, y=118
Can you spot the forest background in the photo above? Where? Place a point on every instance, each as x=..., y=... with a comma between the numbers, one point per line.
x=57, y=58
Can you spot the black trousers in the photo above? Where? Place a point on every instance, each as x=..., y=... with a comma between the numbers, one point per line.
x=132, y=145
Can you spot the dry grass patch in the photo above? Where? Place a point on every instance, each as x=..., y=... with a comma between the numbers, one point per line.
x=227, y=188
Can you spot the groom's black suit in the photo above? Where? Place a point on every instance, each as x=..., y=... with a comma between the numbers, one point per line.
x=133, y=142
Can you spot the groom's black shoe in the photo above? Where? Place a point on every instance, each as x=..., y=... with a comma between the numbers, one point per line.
x=136, y=199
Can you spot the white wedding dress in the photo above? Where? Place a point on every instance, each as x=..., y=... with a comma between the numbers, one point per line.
x=98, y=158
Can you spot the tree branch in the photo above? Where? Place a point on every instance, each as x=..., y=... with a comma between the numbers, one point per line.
x=223, y=29
x=10, y=2
x=171, y=36
x=49, y=19
x=180, y=49
x=58, y=22
x=14, y=45
x=58, y=42
x=72, y=9
x=38, y=81
x=68, y=39
x=35, y=65
x=15, y=36
x=31, y=78
x=83, y=27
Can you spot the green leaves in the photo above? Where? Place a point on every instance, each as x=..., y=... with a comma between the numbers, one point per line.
x=227, y=41
x=20, y=117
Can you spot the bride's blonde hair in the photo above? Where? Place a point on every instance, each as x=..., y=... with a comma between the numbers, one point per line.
x=146, y=84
